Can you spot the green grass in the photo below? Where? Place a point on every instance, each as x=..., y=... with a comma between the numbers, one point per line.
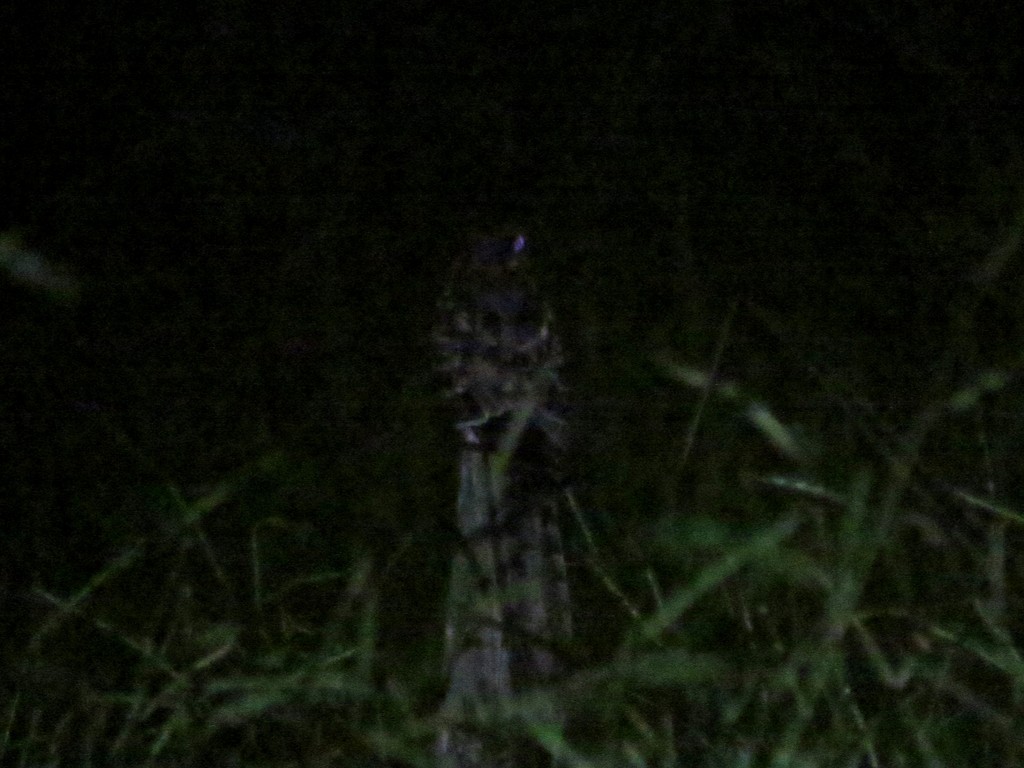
x=778, y=595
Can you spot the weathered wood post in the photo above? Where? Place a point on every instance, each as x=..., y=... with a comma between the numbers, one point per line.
x=509, y=598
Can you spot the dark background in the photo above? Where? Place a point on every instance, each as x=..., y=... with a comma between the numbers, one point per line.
x=259, y=205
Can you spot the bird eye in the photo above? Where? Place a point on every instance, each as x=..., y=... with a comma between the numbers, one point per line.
x=499, y=252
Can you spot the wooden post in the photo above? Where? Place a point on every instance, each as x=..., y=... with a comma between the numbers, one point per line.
x=509, y=599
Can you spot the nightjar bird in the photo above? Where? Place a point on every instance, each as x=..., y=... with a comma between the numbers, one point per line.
x=498, y=348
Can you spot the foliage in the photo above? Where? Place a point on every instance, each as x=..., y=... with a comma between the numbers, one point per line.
x=227, y=479
x=839, y=595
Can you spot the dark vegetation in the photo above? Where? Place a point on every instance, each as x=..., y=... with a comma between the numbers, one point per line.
x=784, y=251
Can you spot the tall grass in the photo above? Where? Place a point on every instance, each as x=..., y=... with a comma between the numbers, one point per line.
x=841, y=596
